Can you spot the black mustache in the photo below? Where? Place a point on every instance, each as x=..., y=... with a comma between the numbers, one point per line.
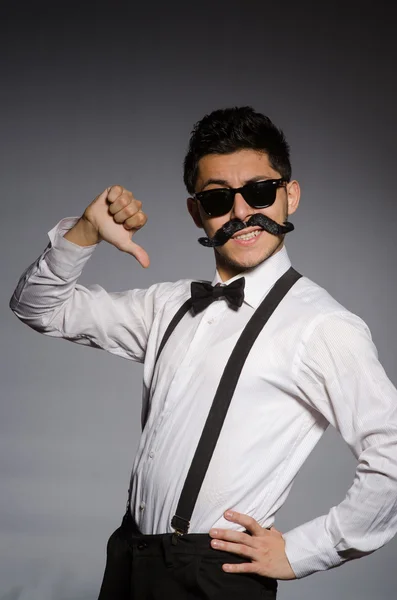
x=231, y=227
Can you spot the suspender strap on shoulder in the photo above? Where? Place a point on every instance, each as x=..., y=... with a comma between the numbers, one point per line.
x=173, y=323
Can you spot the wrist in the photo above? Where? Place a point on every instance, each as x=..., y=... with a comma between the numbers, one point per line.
x=83, y=233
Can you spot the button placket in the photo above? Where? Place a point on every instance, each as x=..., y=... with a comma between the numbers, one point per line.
x=199, y=344
x=210, y=316
x=187, y=362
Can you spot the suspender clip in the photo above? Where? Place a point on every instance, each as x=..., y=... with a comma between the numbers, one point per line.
x=181, y=526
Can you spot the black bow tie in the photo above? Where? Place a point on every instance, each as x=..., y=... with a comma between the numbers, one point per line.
x=204, y=293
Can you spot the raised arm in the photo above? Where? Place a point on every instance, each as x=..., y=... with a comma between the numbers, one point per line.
x=49, y=298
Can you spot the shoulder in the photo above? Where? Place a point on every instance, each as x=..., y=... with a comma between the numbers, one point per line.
x=317, y=305
x=313, y=298
x=317, y=311
x=329, y=331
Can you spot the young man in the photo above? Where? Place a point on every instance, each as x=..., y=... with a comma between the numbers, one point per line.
x=312, y=363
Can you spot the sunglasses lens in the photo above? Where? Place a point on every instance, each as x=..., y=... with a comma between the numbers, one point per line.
x=216, y=202
x=260, y=194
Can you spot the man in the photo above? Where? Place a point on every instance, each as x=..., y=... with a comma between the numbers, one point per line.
x=312, y=364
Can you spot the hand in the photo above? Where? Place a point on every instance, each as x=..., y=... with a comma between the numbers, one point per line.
x=264, y=548
x=114, y=216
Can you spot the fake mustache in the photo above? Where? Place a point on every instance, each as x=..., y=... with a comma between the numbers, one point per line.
x=231, y=227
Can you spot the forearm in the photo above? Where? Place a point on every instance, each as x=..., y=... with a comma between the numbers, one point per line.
x=362, y=523
x=50, y=281
x=50, y=300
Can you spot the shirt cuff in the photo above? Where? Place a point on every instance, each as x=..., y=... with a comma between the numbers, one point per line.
x=309, y=549
x=63, y=256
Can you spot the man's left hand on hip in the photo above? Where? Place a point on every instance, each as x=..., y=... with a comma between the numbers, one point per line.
x=265, y=548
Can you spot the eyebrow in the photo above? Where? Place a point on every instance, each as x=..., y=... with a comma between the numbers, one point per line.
x=226, y=183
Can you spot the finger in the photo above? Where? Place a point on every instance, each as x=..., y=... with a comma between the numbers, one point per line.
x=102, y=195
x=126, y=204
x=114, y=191
x=241, y=568
x=246, y=521
x=239, y=549
x=136, y=221
x=230, y=535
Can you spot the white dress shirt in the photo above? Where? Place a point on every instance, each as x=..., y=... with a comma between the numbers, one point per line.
x=314, y=363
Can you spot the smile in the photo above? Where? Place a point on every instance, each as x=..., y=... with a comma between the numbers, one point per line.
x=247, y=238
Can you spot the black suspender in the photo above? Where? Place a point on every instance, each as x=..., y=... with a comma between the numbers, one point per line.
x=171, y=326
x=223, y=396
x=173, y=323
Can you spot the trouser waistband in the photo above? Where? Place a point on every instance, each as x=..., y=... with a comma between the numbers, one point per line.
x=156, y=544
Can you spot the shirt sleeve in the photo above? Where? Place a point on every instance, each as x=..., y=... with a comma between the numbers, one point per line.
x=338, y=374
x=49, y=300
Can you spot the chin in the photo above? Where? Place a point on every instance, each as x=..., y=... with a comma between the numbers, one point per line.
x=243, y=263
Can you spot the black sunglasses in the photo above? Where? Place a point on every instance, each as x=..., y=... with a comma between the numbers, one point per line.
x=258, y=194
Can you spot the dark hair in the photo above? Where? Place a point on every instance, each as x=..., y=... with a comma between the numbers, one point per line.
x=227, y=130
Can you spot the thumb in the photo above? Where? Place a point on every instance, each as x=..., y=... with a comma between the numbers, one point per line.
x=274, y=530
x=136, y=251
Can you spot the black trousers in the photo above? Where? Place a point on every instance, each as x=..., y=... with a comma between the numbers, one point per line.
x=158, y=567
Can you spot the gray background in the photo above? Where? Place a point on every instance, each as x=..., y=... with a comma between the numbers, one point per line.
x=108, y=94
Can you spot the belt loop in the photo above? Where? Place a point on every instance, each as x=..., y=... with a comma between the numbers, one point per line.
x=166, y=542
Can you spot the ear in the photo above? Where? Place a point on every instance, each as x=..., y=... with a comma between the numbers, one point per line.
x=293, y=196
x=193, y=209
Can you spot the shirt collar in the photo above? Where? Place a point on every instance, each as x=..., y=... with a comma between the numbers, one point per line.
x=261, y=278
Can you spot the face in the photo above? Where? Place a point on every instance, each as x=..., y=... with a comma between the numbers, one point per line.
x=235, y=170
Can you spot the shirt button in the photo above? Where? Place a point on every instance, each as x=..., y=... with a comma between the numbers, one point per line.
x=211, y=321
x=142, y=506
x=151, y=454
x=142, y=545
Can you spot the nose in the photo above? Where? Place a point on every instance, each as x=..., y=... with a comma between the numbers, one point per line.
x=241, y=210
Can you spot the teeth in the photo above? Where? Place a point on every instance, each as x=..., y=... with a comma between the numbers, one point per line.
x=248, y=236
